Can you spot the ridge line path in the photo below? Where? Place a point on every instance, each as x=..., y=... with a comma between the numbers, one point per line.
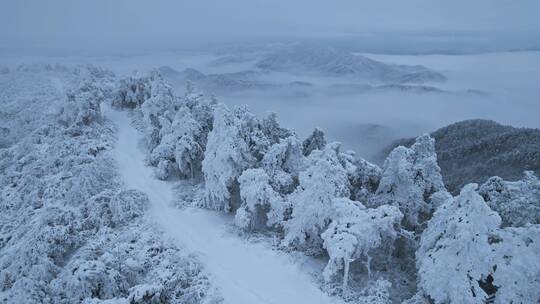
x=244, y=272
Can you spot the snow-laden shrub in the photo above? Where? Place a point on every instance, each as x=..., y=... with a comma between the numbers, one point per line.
x=518, y=203
x=114, y=208
x=409, y=177
x=355, y=231
x=134, y=265
x=464, y=256
x=323, y=180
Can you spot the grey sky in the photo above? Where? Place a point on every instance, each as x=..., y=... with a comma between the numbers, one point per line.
x=130, y=23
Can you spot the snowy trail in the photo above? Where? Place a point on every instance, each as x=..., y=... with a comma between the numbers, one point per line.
x=245, y=273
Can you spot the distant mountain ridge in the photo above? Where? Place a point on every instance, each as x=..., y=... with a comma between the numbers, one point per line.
x=332, y=62
x=253, y=80
x=474, y=150
x=235, y=81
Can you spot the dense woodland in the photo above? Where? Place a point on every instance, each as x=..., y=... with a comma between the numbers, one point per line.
x=70, y=232
x=387, y=229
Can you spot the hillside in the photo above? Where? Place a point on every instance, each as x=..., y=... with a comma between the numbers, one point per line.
x=474, y=150
x=70, y=231
x=181, y=199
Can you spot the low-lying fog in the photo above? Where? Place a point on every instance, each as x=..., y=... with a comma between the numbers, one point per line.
x=504, y=86
x=499, y=86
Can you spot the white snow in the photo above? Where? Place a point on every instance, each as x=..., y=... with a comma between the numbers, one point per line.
x=244, y=272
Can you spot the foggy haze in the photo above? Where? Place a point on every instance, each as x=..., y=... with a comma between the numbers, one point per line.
x=131, y=25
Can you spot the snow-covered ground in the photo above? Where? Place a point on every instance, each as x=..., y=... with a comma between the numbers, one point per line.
x=244, y=272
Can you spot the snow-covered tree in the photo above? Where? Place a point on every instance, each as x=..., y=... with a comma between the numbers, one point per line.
x=189, y=151
x=377, y=292
x=176, y=128
x=84, y=96
x=283, y=162
x=132, y=92
x=455, y=247
x=154, y=98
x=355, y=231
x=258, y=199
x=409, y=177
x=518, y=203
x=271, y=128
x=202, y=109
x=157, y=109
x=315, y=141
x=515, y=276
x=323, y=180
x=365, y=180
x=235, y=143
x=69, y=233
x=465, y=257
x=277, y=177
x=180, y=149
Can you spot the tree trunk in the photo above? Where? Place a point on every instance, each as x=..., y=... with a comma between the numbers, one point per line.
x=346, y=263
x=368, y=265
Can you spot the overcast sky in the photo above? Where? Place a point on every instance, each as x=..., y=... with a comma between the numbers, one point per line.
x=131, y=23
